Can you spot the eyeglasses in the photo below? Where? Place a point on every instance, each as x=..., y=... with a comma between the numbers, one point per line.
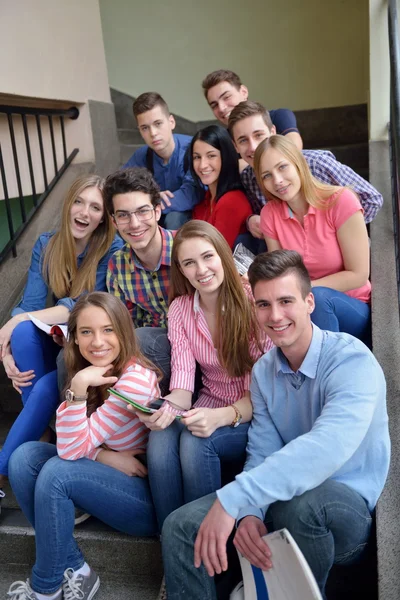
x=124, y=216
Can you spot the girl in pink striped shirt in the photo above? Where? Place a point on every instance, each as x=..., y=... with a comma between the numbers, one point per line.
x=211, y=323
x=109, y=480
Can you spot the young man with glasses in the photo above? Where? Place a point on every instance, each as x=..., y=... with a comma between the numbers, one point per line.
x=139, y=273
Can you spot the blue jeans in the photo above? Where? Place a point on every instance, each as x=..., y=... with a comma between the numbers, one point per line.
x=183, y=467
x=47, y=488
x=336, y=311
x=32, y=349
x=174, y=219
x=331, y=524
x=154, y=344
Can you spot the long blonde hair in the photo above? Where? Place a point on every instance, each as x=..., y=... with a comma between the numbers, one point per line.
x=315, y=192
x=60, y=266
x=123, y=327
x=236, y=323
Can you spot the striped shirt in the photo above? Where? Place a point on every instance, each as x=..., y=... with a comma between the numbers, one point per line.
x=80, y=436
x=144, y=292
x=191, y=341
x=324, y=167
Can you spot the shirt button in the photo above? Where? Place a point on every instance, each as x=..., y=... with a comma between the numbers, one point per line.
x=154, y=276
x=161, y=299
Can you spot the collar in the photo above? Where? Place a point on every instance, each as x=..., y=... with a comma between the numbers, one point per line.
x=287, y=213
x=309, y=365
x=165, y=257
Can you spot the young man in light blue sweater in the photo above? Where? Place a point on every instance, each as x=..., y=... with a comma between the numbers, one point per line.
x=318, y=449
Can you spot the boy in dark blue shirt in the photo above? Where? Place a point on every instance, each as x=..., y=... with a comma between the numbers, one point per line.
x=164, y=155
x=224, y=90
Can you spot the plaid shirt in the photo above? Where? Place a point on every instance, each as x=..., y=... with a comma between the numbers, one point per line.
x=324, y=166
x=144, y=292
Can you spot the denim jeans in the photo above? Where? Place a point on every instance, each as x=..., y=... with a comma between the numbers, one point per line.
x=331, y=524
x=47, y=488
x=174, y=219
x=183, y=467
x=32, y=349
x=336, y=311
x=154, y=344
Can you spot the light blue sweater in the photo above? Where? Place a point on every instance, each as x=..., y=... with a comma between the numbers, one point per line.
x=326, y=421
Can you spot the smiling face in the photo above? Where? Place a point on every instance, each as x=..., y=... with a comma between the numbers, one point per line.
x=223, y=98
x=248, y=134
x=156, y=129
x=207, y=163
x=279, y=176
x=96, y=338
x=138, y=234
x=201, y=265
x=284, y=314
x=86, y=213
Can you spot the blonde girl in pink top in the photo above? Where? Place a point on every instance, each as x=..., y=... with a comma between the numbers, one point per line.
x=109, y=480
x=325, y=224
x=211, y=324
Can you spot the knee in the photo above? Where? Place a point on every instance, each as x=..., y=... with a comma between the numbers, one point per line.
x=23, y=459
x=322, y=296
x=179, y=525
x=23, y=332
x=160, y=446
x=194, y=449
x=175, y=219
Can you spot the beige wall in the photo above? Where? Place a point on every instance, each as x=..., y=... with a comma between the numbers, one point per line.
x=379, y=96
x=297, y=54
x=52, y=55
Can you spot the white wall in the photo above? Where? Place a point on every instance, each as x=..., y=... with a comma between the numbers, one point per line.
x=52, y=55
x=297, y=54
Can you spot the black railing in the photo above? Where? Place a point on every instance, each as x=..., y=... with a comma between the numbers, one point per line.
x=394, y=127
x=36, y=159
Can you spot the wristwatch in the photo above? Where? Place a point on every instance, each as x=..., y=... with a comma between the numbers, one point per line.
x=70, y=396
x=238, y=419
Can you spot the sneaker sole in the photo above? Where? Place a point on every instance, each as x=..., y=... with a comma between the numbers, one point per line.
x=94, y=589
x=82, y=519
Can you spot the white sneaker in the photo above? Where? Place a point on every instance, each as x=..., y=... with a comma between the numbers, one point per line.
x=162, y=594
x=79, y=587
x=2, y=495
x=20, y=590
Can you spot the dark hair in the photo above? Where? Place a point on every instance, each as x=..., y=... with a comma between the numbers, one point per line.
x=135, y=179
x=218, y=137
x=270, y=265
x=148, y=101
x=219, y=76
x=245, y=109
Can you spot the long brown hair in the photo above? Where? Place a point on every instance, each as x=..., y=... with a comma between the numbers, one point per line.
x=235, y=314
x=315, y=192
x=60, y=266
x=124, y=330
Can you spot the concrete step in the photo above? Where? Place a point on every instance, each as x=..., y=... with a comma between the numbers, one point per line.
x=127, y=150
x=10, y=400
x=111, y=588
x=113, y=554
x=353, y=155
x=129, y=136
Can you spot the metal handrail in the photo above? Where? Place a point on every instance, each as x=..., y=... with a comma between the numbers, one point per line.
x=394, y=127
x=39, y=114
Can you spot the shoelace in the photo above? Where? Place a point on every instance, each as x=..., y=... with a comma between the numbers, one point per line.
x=2, y=495
x=21, y=590
x=72, y=586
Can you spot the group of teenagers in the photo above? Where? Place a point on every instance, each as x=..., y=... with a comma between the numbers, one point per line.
x=274, y=411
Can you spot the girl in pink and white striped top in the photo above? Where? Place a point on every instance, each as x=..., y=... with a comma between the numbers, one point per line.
x=211, y=323
x=109, y=480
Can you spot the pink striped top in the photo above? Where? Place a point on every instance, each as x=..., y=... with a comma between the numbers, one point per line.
x=191, y=341
x=79, y=436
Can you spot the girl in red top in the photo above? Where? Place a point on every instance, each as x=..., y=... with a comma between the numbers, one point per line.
x=214, y=163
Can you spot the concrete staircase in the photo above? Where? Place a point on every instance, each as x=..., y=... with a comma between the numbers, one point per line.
x=128, y=567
